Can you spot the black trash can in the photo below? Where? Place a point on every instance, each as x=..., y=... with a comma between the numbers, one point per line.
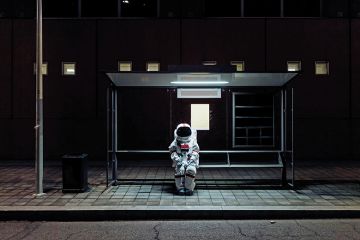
x=75, y=173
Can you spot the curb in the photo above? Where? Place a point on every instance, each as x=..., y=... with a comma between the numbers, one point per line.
x=110, y=213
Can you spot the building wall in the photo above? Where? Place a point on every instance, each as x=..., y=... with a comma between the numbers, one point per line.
x=355, y=86
x=138, y=41
x=71, y=101
x=6, y=97
x=355, y=73
x=224, y=40
x=322, y=107
x=327, y=107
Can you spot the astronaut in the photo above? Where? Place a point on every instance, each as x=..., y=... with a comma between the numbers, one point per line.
x=184, y=152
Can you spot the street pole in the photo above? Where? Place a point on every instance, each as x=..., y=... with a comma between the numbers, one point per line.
x=39, y=141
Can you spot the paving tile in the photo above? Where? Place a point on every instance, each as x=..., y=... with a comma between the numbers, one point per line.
x=117, y=197
x=165, y=202
x=153, y=203
x=60, y=202
x=84, y=204
x=128, y=199
x=19, y=203
x=88, y=200
x=19, y=192
x=68, y=196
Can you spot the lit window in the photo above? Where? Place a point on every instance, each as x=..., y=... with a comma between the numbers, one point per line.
x=321, y=68
x=209, y=63
x=240, y=65
x=293, y=66
x=125, y=66
x=43, y=69
x=69, y=68
x=152, y=66
x=200, y=116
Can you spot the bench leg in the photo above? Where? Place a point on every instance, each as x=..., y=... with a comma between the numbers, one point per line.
x=284, y=182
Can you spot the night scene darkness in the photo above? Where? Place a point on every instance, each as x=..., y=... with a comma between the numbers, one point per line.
x=179, y=119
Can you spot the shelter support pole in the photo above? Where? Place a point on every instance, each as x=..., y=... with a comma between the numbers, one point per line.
x=39, y=129
x=114, y=134
x=108, y=112
x=285, y=122
x=282, y=120
x=283, y=137
x=292, y=140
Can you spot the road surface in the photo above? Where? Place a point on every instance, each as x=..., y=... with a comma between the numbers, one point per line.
x=185, y=230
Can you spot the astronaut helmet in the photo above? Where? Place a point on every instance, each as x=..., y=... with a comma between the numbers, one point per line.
x=183, y=133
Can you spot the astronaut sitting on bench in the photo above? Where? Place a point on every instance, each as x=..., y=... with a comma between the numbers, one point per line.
x=184, y=152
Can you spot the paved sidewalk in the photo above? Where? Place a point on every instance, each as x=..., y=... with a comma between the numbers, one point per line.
x=319, y=187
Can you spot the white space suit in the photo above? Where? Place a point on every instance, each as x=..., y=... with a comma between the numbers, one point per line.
x=184, y=152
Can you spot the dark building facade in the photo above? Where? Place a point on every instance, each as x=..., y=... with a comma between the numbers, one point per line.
x=327, y=107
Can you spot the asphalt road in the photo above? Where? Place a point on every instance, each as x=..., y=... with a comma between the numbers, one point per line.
x=184, y=230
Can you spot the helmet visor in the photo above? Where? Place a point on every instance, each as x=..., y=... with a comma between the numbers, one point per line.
x=183, y=132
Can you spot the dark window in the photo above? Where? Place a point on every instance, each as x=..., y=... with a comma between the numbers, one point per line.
x=62, y=8
x=6, y=9
x=302, y=8
x=99, y=8
x=138, y=8
x=192, y=8
x=169, y=8
x=355, y=8
x=335, y=8
x=24, y=8
x=262, y=8
x=228, y=8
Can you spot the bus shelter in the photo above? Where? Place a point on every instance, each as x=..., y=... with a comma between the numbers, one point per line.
x=259, y=115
